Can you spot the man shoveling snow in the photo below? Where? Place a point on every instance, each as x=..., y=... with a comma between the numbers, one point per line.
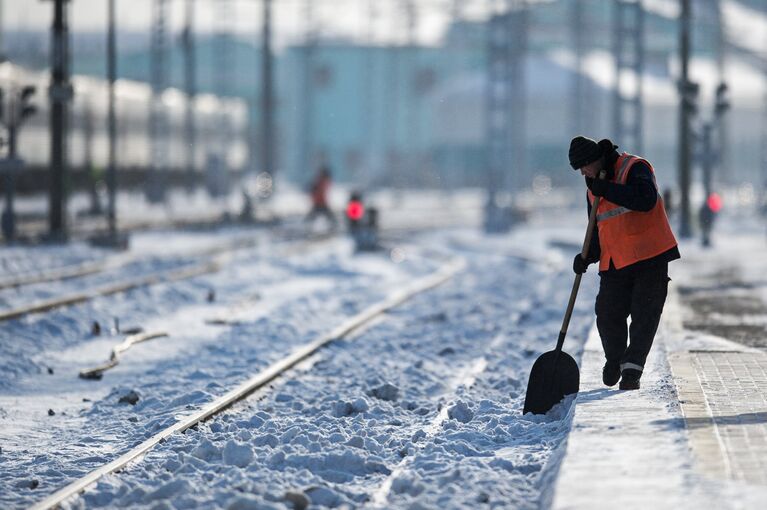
x=634, y=244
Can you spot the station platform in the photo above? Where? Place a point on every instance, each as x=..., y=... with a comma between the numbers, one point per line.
x=695, y=435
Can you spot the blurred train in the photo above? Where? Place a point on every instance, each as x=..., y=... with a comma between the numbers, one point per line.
x=221, y=133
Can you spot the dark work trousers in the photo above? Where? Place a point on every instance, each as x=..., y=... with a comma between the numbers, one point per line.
x=321, y=210
x=640, y=294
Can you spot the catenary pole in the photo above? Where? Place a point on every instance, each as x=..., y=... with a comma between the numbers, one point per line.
x=112, y=123
x=2, y=28
x=306, y=111
x=267, y=114
x=60, y=93
x=685, y=118
x=579, y=114
x=190, y=86
x=9, y=222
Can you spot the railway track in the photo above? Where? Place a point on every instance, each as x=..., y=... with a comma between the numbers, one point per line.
x=259, y=348
x=256, y=382
x=219, y=258
x=121, y=260
x=402, y=225
x=111, y=263
x=86, y=227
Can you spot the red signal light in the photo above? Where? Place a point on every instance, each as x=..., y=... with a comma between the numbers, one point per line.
x=355, y=210
x=714, y=202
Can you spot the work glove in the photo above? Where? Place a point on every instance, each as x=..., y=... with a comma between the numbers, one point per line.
x=598, y=187
x=579, y=265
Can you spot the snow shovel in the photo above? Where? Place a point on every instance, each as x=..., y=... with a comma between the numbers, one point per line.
x=555, y=373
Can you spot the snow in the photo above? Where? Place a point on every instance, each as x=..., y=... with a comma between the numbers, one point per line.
x=420, y=408
x=390, y=400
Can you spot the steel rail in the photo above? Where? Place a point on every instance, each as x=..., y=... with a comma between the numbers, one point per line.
x=167, y=276
x=256, y=382
x=87, y=268
x=170, y=276
x=88, y=227
x=47, y=305
x=63, y=273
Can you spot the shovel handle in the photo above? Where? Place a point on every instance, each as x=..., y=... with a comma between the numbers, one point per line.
x=577, y=282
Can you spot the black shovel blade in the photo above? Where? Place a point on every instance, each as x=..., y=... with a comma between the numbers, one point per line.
x=554, y=375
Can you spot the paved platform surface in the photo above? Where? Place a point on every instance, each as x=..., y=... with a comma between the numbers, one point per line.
x=724, y=401
x=627, y=449
x=695, y=435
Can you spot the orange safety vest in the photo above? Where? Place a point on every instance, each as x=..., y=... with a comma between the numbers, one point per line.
x=320, y=192
x=627, y=236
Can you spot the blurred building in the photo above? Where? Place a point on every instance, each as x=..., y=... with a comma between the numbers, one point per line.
x=415, y=115
x=88, y=144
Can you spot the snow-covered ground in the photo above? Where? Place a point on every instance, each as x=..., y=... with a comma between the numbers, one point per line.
x=420, y=409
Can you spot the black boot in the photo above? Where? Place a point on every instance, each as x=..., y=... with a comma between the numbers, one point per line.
x=611, y=372
x=630, y=379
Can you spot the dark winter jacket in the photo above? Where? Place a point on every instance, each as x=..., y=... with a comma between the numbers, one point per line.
x=638, y=194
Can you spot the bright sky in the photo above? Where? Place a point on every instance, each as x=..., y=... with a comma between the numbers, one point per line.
x=379, y=20
x=334, y=17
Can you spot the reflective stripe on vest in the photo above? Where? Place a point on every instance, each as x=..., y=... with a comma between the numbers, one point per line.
x=612, y=212
x=620, y=178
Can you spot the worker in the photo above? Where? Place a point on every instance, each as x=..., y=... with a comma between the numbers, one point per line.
x=633, y=243
x=319, y=195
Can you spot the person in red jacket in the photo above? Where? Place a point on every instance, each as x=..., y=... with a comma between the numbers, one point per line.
x=633, y=244
x=319, y=194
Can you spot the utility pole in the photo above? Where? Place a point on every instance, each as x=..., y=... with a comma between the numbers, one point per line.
x=267, y=113
x=579, y=110
x=722, y=128
x=688, y=92
x=368, y=108
x=306, y=112
x=628, y=51
x=190, y=87
x=112, y=123
x=2, y=29
x=393, y=160
x=505, y=110
x=158, y=129
x=10, y=166
x=707, y=156
x=412, y=105
x=60, y=94
x=224, y=76
x=764, y=146
x=518, y=21
x=498, y=105
x=714, y=146
x=91, y=178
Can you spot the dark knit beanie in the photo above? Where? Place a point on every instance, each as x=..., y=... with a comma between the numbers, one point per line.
x=583, y=151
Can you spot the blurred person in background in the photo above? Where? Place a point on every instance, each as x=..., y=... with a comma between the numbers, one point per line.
x=668, y=202
x=706, y=216
x=318, y=191
x=633, y=244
